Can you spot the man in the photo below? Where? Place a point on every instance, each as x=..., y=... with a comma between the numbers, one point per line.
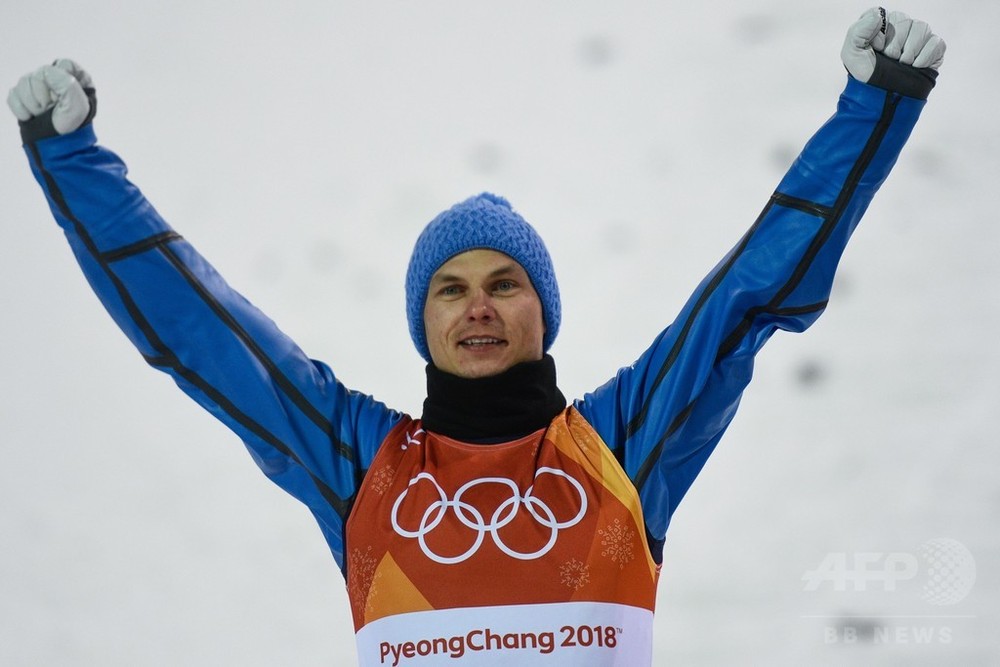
x=504, y=524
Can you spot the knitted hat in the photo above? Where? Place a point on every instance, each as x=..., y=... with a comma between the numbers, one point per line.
x=485, y=221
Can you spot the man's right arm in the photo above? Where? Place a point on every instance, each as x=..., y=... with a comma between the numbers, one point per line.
x=307, y=432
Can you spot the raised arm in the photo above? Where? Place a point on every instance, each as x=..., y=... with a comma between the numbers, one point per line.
x=306, y=431
x=664, y=414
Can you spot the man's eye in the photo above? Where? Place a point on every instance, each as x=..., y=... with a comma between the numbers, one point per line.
x=505, y=285
x=450, y=290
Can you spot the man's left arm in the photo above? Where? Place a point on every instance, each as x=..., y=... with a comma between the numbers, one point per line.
x=664, y=414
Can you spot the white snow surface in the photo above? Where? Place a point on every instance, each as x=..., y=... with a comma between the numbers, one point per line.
x=301, y=146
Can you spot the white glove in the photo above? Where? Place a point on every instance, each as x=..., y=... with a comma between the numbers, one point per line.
x=59, y=87
x=896, y=36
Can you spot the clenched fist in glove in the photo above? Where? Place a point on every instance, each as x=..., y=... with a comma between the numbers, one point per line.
x=63, y=89
x=891, y=50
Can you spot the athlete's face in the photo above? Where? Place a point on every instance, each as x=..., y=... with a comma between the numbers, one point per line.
x=482, y=315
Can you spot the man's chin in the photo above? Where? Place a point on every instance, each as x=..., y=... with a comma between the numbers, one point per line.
x=481, y=367
x=480, y=370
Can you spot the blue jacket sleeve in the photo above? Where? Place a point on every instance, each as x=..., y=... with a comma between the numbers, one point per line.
x=664, y=414
x=306, y=431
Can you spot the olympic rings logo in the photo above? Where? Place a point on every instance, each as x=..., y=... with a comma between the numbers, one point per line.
x=472, y=518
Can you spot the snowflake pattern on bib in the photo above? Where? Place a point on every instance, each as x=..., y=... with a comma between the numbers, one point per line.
x=619, y=542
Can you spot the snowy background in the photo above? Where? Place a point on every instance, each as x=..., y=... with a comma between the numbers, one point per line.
x=303, y=147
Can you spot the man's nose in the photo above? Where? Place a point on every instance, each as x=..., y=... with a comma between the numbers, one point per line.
x=481, y=307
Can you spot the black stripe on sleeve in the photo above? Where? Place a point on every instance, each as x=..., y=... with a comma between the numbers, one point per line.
x=654, y=454
x=139, y=247
x=804, y=205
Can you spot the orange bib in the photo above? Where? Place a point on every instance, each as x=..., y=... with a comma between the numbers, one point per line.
x=535, y=547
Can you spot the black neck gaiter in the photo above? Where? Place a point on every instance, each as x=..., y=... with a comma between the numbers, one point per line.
x=499, y=408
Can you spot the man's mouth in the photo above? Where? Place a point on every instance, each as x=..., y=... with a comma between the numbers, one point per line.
x=480, y=341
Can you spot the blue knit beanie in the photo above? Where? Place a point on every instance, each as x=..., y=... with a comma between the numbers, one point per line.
x=485, y=221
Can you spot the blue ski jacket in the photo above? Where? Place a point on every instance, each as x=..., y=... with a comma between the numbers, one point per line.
x=661, y=416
